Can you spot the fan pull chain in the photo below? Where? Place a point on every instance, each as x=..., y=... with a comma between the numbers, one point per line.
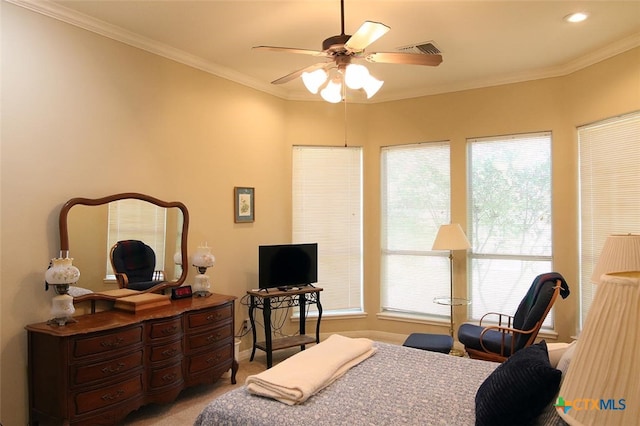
x=344, y=99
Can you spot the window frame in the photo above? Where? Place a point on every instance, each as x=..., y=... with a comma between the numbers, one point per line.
x=595, y=224
x=337, y=214
x=413, y=296
x=535, y=262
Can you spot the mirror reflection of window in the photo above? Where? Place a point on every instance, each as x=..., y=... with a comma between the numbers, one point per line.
x=129, y=219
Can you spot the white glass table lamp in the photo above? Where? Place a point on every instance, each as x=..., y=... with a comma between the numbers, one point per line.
x=202, y=259
x=61, y=274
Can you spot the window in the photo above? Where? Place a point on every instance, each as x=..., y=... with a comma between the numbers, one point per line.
x=509, y=215
x=415, y=182
x=131, y=219
x=327, y=209
x=609, y=154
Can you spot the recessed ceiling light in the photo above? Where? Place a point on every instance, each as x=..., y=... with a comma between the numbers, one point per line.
x=576, y=17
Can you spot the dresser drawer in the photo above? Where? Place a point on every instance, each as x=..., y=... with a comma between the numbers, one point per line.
x=210, y=338
x=108, y=395
x=166, y=351
x=162, y=329
x=209, y=317
x=107, y=342
x=82, y=374
x=210, y=359
x=160, y=377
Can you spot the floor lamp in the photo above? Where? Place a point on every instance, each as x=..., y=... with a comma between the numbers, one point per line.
x=451, y=237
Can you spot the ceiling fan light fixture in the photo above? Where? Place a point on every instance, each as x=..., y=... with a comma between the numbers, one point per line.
x=332, y=92
x=313, y=80
x=355, y=76
x=371, y=86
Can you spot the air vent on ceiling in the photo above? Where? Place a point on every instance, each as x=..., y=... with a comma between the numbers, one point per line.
x=427, y=47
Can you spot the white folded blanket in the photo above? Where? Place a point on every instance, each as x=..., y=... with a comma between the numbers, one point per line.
x=295, y=379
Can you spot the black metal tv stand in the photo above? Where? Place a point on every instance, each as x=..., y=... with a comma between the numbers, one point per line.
x=301, y=296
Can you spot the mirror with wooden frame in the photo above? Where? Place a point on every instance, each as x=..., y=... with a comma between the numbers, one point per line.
x=90, y=228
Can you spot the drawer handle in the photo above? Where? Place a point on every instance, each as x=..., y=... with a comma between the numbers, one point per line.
x=112, y=396
x=213, y=359
x=170, y=330
x=213, y=338
x=112, y=343
x=110, y=369
x=169, y=352
x=169, y=378
x=215, y=316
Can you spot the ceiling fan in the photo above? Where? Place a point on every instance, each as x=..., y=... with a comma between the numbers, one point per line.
x=338, y=52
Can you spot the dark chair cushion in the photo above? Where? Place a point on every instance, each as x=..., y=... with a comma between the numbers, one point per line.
x=136, y=259
x=430, y=342
x=530, y=311
x=469, y=336
x=535, y=303
x=519, y=389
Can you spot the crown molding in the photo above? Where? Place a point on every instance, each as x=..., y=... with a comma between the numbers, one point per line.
x=114, y=32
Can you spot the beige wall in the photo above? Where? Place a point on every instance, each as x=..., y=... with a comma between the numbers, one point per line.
x=76, y=108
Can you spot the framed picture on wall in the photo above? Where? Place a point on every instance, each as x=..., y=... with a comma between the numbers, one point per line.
x=244, y=204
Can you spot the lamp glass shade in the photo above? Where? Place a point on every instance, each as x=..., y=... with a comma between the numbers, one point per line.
x=314, y=79
x=62, y=271
x=620, y=253
x=333, y=92
x=450, y=237
x=203, y=258
x=372, y=85
x=355, y=76
x=601, y=383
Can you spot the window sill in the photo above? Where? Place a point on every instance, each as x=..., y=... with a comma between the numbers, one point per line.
x=413, y=318
x=332, y=315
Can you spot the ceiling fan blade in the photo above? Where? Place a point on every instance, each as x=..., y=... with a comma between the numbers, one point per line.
x=287, y=78
x=291, y=50
x=404, y=58
x=368, y=32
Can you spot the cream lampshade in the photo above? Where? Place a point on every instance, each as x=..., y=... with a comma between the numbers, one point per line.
x=620, y=253
x=601, y=384
x=451, y=237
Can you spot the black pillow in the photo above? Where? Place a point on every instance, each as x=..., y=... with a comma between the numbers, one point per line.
x=519, y=389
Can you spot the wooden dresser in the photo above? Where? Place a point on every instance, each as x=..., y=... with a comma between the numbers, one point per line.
x=99, y=369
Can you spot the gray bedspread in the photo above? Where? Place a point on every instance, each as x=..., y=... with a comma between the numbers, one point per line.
x=397, y=385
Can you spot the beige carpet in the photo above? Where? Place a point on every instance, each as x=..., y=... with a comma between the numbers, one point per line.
x=184, y=410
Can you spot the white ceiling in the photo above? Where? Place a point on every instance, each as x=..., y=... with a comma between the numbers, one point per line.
x=483, y=43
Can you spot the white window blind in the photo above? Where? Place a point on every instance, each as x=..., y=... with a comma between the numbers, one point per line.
x=327, y=209
x=130, y=219
x=509, y=219
x=609, y=154
x=415, y=201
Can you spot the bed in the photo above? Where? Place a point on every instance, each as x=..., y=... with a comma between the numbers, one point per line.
x=397, y=385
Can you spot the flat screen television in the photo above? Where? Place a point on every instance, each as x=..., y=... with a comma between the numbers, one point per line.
x=287, y=265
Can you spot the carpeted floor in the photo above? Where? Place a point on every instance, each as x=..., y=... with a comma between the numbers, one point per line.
x=184, y=410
